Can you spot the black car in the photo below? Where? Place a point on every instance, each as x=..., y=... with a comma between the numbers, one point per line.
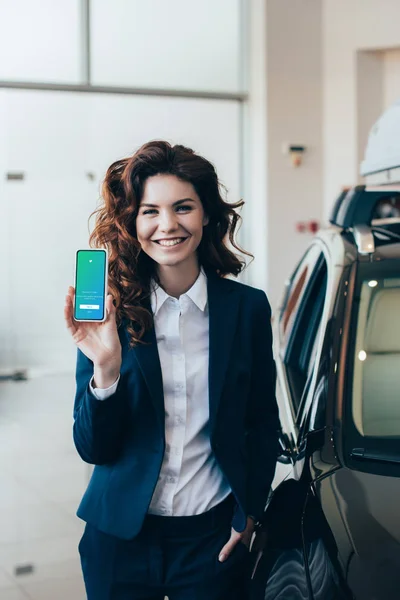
x=332, y=526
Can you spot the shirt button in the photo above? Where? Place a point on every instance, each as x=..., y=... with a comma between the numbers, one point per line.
x=179, y=386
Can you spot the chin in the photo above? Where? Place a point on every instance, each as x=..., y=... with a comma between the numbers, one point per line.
x=173, y=261
x=169, y=262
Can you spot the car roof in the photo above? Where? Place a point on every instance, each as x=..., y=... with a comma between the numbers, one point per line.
x=368, y=218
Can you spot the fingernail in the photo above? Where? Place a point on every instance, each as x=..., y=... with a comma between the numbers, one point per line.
x=222, y=557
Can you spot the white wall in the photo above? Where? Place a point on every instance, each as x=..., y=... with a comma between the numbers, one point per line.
x=177, y=44
x=56, y=139
x=348, y=27
x=294, y=112
x=255, y=148
x=391, y=77
x=63, y=142
x=40, y=40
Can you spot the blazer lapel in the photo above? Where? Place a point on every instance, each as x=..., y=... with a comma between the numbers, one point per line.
x=223, y=302
x=147, y=357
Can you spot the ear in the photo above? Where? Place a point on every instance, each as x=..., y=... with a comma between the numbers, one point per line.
x=206, y=220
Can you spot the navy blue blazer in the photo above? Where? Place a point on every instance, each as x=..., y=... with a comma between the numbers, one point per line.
x=124, y=434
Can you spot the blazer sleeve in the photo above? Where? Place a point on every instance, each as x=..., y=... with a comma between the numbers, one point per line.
x=262, y=427
x=99, y=425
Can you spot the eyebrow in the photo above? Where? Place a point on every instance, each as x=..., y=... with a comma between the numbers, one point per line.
x=174, y=204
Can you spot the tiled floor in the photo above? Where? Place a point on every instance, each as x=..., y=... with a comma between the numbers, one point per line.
x=41, y=482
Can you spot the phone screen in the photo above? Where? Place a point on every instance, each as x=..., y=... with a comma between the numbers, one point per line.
x=90, y=285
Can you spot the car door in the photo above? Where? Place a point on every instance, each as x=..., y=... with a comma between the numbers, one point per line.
x=358, y=500
x=316, y=460
x=307, y=362
x=281, y=569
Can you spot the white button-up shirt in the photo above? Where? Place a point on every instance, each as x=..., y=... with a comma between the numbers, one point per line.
x=190, y=480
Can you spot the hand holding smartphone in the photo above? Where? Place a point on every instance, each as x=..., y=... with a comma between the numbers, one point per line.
x=90, y=315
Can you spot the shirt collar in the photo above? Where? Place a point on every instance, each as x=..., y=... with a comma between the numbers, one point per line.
x=197, y=293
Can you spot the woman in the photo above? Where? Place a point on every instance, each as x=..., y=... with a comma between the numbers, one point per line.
x=175, y=400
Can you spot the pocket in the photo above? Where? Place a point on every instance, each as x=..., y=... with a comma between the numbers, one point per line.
x=247, y=546
x=243, y=547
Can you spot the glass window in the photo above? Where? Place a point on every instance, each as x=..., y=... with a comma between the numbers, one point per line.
x=168, y=45
x=294, y=296
x=294, y=293
x=376, y=374
x=387, y=208
x=301, y=347
x=40, y=40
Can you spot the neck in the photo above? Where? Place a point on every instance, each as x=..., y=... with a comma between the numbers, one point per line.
x=177, y=280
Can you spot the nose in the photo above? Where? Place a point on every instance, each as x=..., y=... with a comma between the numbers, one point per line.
x=167, y=221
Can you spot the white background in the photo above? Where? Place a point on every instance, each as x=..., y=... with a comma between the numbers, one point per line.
x=63, y=142
x=56, y=139
x=167, y=44
x=40, y=40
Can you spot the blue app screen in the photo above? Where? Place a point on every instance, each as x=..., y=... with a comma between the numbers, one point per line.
x=90, y=284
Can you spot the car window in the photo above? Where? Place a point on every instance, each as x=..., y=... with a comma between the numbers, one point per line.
x=376, y=369
x=387, y=208
x=294, y=294
x=313, y=353
x=371, y=402
x=302, y=344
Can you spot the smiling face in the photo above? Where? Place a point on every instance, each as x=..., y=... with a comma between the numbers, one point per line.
x=170, y=221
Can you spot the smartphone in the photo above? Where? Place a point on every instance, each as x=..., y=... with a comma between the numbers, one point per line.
x=91, y=275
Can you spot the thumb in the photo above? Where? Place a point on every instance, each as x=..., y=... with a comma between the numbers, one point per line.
x=227, y=549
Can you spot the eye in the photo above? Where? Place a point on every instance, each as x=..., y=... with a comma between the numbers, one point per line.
x=150, y=211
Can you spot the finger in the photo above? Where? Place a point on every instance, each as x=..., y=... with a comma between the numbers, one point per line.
x=111, y=310
x=69, y=321
x=227, y=549
x=68, y=311
x=71, y=294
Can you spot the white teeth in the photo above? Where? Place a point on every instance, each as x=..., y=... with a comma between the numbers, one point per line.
x=171, y=242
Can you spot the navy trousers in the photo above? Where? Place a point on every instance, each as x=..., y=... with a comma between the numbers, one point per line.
x=171, y=556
